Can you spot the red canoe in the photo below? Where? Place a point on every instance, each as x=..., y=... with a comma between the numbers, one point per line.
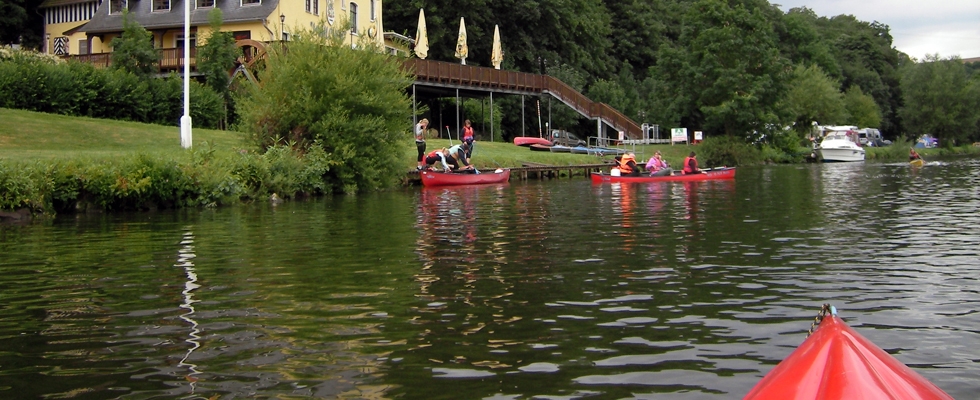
x=837, y=363
x=432, y=178
x=721, y=173
x=528, y=140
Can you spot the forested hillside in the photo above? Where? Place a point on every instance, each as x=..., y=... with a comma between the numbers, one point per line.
x=724, y=67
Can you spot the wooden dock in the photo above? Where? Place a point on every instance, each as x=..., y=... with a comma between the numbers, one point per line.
x=537, y=171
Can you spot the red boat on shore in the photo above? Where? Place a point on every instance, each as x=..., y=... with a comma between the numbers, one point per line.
x=837, y=363
x=529, y=140
x=712, y=174
x=433, y=178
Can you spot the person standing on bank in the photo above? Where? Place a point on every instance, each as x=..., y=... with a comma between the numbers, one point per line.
x=420, y=141
x=468, y=138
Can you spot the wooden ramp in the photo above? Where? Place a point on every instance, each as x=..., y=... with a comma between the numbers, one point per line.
x=483, y=79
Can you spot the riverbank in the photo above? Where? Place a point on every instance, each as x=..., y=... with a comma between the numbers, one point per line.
x=53, y=163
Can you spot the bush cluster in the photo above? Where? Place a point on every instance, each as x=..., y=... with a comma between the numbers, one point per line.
x=318, y=92
x=727, y=151
x=45, y=84
x=144, y=182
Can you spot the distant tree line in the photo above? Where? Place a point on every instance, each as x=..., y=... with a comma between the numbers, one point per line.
x=740, y=68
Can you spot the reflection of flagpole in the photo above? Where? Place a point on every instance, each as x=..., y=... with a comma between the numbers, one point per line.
x=184, y=257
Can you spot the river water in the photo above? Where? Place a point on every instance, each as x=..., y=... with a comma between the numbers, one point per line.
x=550, y=290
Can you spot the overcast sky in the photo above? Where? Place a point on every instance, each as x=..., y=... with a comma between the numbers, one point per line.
x=947, y=27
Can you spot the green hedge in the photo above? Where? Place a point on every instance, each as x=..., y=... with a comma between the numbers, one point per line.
x=31, y=81
x=141, y=181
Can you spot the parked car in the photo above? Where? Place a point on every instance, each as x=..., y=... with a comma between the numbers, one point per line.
x=566, y=138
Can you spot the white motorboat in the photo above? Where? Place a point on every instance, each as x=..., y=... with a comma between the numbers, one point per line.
x=839, y=146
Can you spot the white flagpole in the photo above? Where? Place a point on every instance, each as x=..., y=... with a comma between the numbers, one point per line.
x=185, y=121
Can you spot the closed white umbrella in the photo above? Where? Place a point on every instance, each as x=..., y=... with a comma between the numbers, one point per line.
x=497, y=55
x=461, y=49
x=421, y=37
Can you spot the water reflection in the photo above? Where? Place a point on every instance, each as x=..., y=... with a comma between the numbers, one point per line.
x=557, y=289
x=185, y=257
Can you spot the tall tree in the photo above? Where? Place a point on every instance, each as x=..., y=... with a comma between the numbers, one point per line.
x=133, y=51
x=863, y=110
x=21, y=23
x=801, y=42
x=941, y=100
x=217, y=57
x=867, y=59
x=814, y=97
x=726, y=68
x=637, y=31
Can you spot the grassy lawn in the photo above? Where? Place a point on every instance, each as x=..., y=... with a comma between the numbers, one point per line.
x=27, y=136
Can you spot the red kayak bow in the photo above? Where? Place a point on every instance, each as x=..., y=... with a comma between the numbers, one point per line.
x=838, y=363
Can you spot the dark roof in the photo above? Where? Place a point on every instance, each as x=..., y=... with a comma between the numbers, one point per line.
x=141, y=12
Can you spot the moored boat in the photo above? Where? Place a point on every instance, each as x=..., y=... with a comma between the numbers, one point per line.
x=836, y=363
x=839, y=144
x=529, y=140
x=712, y=174
x=433, y=178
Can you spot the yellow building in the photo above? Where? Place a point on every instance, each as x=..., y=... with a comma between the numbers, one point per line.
x=78, y=27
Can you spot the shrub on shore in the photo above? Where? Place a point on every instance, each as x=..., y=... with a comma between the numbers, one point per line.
x=198, y=178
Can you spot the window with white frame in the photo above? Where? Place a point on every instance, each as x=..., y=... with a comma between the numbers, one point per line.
x=161, y=5
x=373, y=12
x=309, y=6
x=205, y=3
x=117, y=6
x=179, y=40
x=251, y=2
x=316, y=7
x=353, y=18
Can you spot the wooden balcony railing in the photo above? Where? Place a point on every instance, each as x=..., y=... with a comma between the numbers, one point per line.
x=170, y=59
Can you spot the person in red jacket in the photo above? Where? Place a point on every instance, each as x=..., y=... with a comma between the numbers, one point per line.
x=691, y=165
x=468, y=138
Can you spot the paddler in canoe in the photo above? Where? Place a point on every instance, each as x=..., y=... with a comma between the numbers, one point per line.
x=658, y=166
x=691, y=165
x=627, y=165
x=914, y=155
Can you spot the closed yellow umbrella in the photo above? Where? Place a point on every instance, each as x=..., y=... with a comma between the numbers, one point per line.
x=497, y=55
x=421, y=38
x=461, y=49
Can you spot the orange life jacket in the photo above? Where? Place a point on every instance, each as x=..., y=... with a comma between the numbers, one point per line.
x=624, y=167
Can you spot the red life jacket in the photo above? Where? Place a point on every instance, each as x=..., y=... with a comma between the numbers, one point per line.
x=687, y=165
